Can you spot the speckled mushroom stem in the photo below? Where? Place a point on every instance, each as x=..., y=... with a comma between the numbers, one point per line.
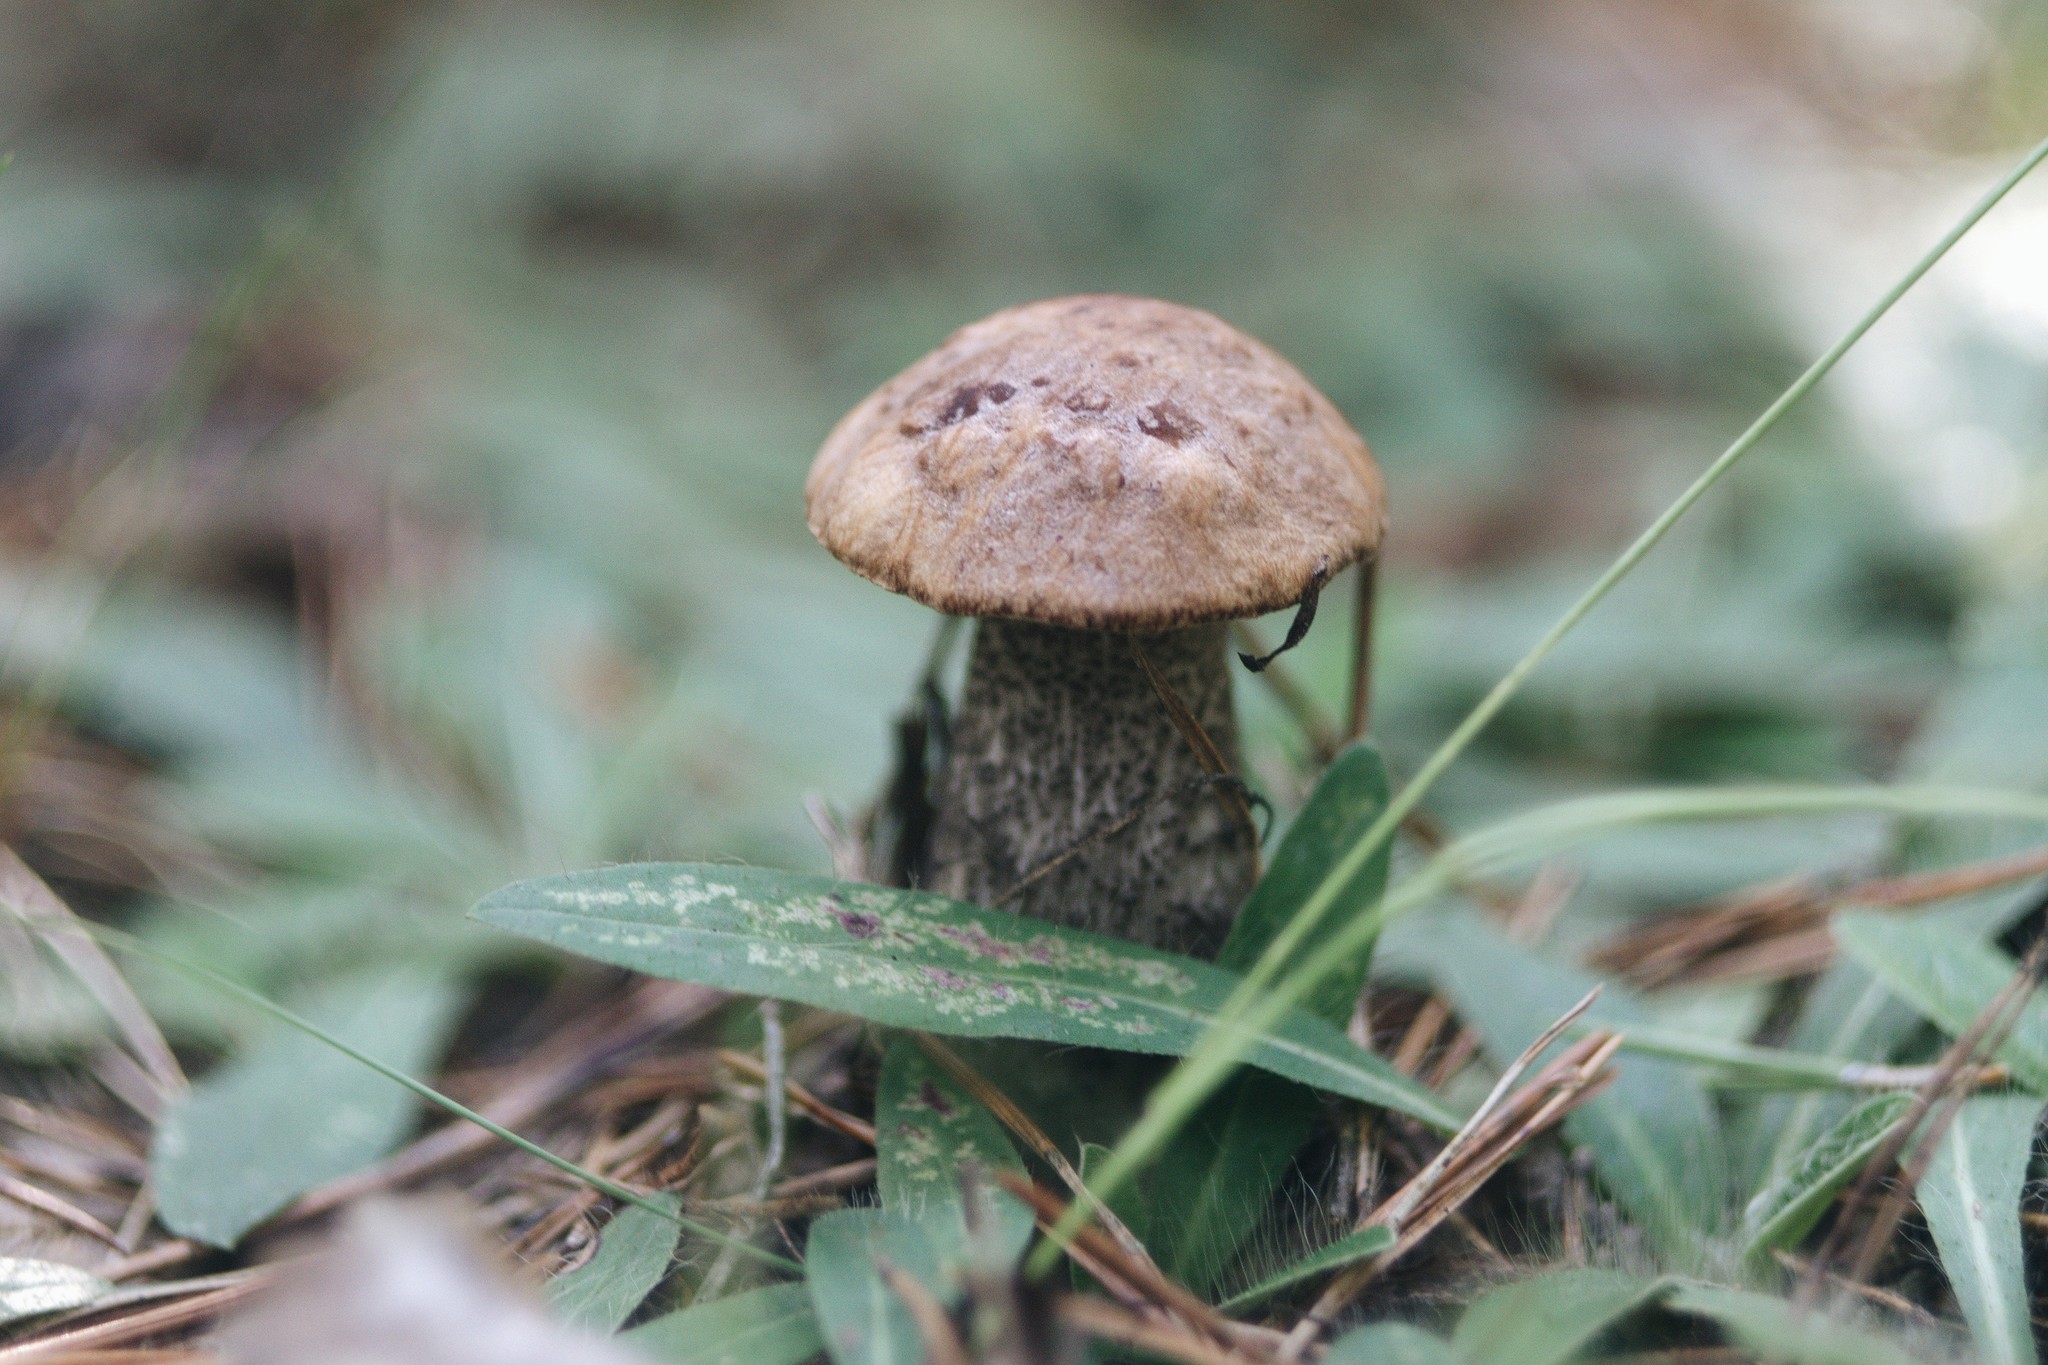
x=1059, y=737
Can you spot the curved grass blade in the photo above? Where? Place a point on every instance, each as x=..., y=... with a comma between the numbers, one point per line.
x=1970, y=1194
x=775, y=1325
x=1782, y=1213
x=1204, y=1070
x=914, y=960
x=1549, y=1319
x=1338, y=1254
x=632, y=1258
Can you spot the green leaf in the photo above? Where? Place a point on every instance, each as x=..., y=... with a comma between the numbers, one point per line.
x=1550, y=1318
x=1654, y=1134
x=1971, y=1197
x=927, y=1129
x=632, y=1257
x=865, y=1321
x=1785, y=1211
x=29, y=1288
x=775, y=1325
x=1390, y=1343
x=1210, y=1188
x=915, y=960
x=1949, y=977
x=1780, y=1331
x=1338, y=1254
x=293, y=1113
x=1348, y=798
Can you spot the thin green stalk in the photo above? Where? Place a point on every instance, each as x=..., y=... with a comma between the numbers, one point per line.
x=130, y=944
x=1197, y=1076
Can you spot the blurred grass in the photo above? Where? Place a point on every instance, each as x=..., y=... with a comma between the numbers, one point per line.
x=484, y=553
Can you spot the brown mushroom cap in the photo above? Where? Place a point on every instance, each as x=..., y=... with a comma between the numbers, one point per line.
x=1097, y=461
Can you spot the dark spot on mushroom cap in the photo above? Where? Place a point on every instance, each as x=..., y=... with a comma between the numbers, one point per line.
x=1087, y=402
x=930, y=1097
x=966, y=401
x=1166, y=422
x=1124, y=360
x=1040, y=381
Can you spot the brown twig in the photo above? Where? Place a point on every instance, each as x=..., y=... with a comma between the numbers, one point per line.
x=1197, y=739
x=860, y=1130
x=942, y=1344
x=1921, y=1127
x=1101, y=1318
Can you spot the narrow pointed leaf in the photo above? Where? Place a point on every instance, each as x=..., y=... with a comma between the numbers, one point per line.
x=1785, y=1211
x=775, y=1325
x=1338, y=1254
x=915, y=960
x=633, y=1255
x=1348, y=798
x=1971, y=1197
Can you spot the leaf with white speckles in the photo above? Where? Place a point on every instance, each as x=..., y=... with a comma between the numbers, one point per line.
x=293, y=1113
x=928, y=1132
x=915, y=960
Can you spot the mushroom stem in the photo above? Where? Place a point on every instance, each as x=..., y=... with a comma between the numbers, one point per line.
x=1058, y=741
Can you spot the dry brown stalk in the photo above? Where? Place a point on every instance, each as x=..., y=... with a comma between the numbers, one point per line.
x=828, y=1180
x=1197, y=739
x=860, y=1130
x=1779, y=929
x=1499, y=1129
x=1137, y=1271
x=42, y=1201
x=942, y=1344
x=131, y=1326
x=1921, y=1128
x=1101, y=1318
x=1020, y=1125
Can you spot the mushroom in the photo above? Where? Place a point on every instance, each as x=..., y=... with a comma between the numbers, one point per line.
x=1104, y=482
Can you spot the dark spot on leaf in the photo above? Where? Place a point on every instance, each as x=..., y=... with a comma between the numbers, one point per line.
x=1080, y=1004
x=859, y=923
x=1167, y=423
x=931, y=1098
x=946, y=980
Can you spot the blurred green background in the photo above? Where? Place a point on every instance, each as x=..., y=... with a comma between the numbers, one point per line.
x=404, y=406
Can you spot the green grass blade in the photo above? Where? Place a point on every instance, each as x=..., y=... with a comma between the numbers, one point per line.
x=1338, y=1254
x=1971, y=1196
